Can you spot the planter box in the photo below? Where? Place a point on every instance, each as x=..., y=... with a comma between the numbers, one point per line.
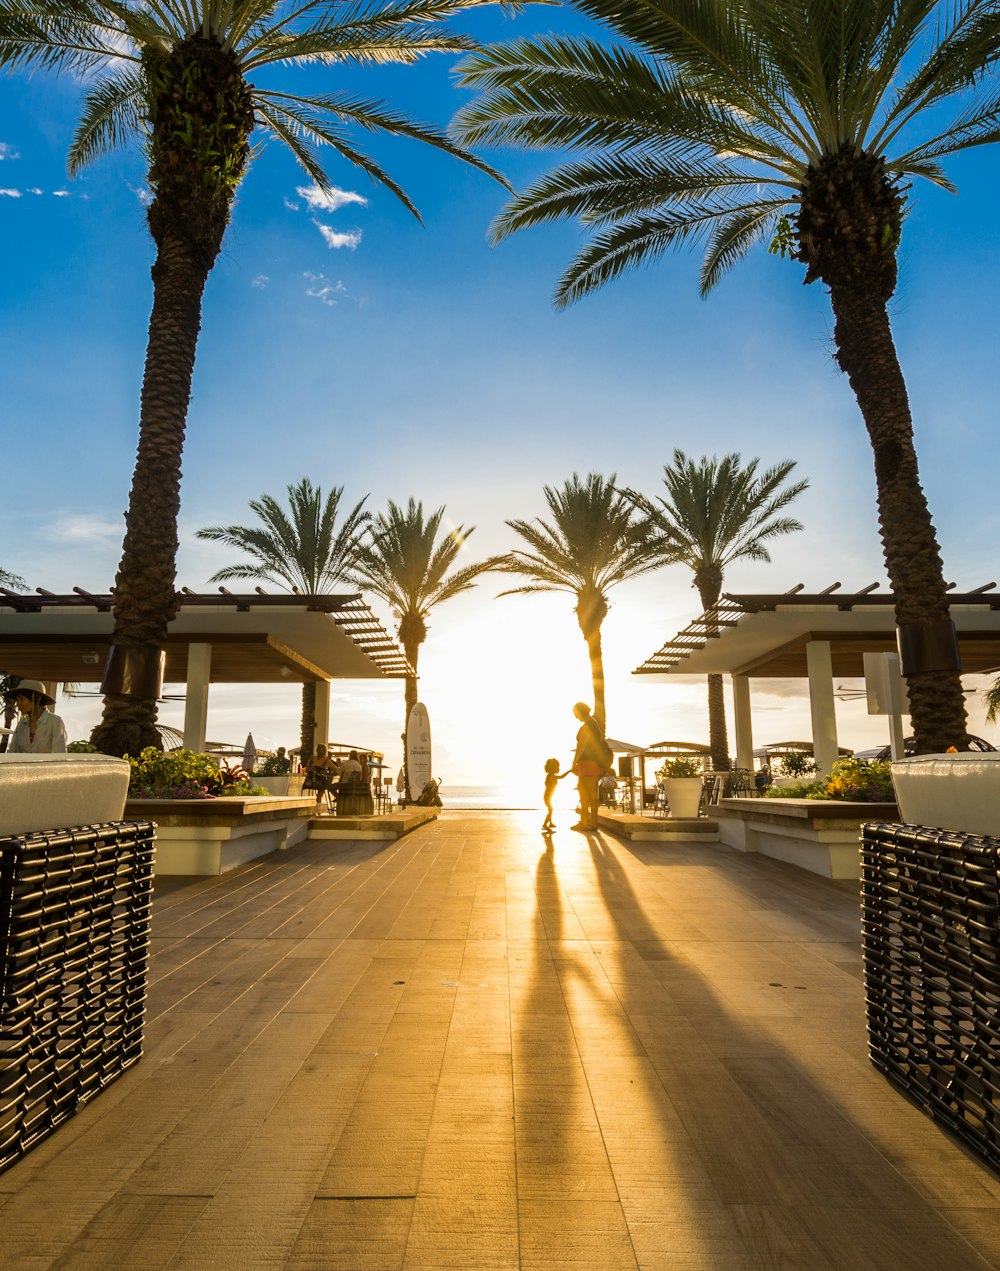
x=951, y=792
x=931, y=939
x=40, y=792
x=821, y=835
x=211, y=836
x=289, y=785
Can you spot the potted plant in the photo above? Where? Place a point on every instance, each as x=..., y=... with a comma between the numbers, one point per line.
x=274, y=774
x=958, y=792
x=682, y=784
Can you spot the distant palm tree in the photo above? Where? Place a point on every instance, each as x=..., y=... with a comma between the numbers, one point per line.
x=13, y=581
x=403, y=562
x=303, y=549
x=797, y=123
x=181, y=76
x=596, y=540
x=716, y=512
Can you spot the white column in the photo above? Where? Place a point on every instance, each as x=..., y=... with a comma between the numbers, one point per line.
x=819, y=665
x=741, y=720
x=322, y=733
x=199, y=673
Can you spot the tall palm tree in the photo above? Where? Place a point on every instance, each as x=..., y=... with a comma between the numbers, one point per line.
x=10, y=580
x=403, y=561
x=303, y=549
x=718, y=511
x=797, y=123
x=181, y=76
x=596, y=539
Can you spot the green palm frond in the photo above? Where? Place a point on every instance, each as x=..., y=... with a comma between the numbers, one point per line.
x=717, y=511
x=302, y=548
x=697, y=102
x=108, y=38
x=594, y=541
x=408, y=562
x=110, y=116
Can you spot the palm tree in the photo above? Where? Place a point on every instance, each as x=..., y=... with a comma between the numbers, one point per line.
x=180, y=75
x=790, y=122
x=595, y=541
x=12, y=581
x=302, y=549
x=404, y=563
x=716, y=512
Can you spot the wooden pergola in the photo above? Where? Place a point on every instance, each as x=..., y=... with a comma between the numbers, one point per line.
x=818, y=636
x=216, y=638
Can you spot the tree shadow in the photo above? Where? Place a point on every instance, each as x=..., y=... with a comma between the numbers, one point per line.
x=675, y=1060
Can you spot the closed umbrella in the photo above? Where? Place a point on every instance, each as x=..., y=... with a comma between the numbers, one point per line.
x=249, y=754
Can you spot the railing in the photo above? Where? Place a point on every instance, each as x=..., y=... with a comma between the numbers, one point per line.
x=931, y=938
x=74, y=938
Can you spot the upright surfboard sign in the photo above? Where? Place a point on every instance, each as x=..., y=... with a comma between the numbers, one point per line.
x=418, y=749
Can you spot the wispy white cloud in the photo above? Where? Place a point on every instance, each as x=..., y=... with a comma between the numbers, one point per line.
x=60, y=194
x=35, y=190
x=321, y=201
x=10, y=194
x=7, y=151
x=143, y=193
x=320, y=288
x=292, y=207
x=339, y=238
x=260, y=282
x=83, y=529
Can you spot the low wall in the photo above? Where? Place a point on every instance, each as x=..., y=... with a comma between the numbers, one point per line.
x=821, y=835
x=211, y=836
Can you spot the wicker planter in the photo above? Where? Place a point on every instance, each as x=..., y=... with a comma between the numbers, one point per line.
x=74, y=937
x=931, y=934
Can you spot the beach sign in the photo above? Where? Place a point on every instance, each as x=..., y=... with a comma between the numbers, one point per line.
x=418, y=749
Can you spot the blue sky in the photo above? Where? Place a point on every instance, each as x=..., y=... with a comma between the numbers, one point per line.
x=406, y=360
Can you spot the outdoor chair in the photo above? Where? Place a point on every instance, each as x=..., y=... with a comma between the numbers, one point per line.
x=741, y=784
x=661, y=806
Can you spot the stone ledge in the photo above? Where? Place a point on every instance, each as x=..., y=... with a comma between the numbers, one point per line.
x=659, y=829
x=383, y=827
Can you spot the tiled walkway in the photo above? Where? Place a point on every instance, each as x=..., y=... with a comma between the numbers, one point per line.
x=464, y=1050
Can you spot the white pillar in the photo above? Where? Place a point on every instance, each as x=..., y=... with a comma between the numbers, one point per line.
x=819, y=665
x=741, y=721
x=322, y=733
x=199, y=673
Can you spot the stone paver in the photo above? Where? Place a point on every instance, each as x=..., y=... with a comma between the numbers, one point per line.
x=468, y=1049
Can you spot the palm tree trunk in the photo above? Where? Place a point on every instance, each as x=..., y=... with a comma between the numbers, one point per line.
x=307, y=728
x=201, y=117
x=867, y=353
x=708, y=580
x=145, y=597
x=594, y=650
x=412, y=651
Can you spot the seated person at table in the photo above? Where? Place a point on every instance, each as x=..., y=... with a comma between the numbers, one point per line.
x=321, y=773
x=350, y=769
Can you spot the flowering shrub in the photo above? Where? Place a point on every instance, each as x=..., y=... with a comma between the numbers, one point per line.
x=173, y=774
x=858, y=780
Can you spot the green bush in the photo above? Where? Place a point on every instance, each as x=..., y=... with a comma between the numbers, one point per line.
x=859, y=780
x=173, y=774
x=680, y=768
x=796, y=764
x=82, y=748
x=810, y=788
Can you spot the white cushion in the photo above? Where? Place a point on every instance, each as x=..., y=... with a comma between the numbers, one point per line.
x=950, y=792
x=50, y=792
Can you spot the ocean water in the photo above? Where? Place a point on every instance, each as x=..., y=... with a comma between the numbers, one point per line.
x=498, y=798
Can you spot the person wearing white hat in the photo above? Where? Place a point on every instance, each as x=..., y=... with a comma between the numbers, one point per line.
x=38, y=732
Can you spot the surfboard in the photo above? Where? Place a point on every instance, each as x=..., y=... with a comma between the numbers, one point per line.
x=418, y=749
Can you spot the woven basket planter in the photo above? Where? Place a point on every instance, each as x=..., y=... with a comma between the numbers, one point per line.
x=931, y=939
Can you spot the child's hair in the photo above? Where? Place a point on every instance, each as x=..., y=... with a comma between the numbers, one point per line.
x=552, y=765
